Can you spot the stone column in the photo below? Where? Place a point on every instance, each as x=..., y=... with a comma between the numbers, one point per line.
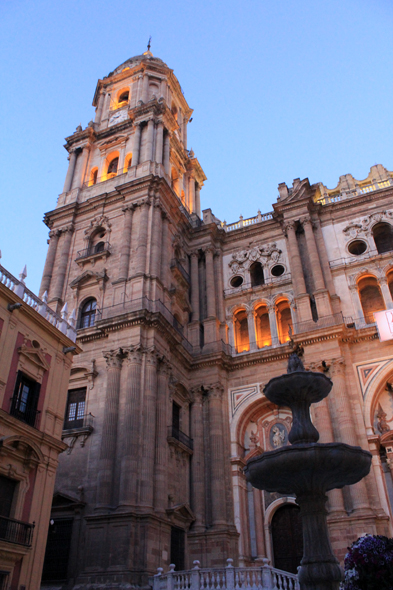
x=129, y=439
x=194, y=287
x=125, y=243
x=145, y=87
x=70, y=172
x=79, y=177
x=210, y=285
x=142, y=237
x=198, y=460
x=156, y=239
x=359, y=315
x=167, y=153
x=259, y=529
x=220, y=286
x=191, y=194
x=62, y=261
x=49, y=262
x=149, y=141
x=294, y=259
x=313, y=254
x=386, y=294
x=163, y=88
x=99, y=108
x=273, y=323
x=159, y=142
x=165, y=252
x=139, y=88
x=149, y=430
x=198, y=200
x=161, y=450
x=185, y=132
x=340, y=407
x=216, y=455
x=136, y=145
x=251, y=330
x=109, y=429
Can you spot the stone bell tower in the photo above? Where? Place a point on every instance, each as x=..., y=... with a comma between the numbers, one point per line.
x=147, y=433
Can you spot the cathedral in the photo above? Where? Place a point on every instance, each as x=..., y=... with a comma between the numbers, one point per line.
x=182, y=319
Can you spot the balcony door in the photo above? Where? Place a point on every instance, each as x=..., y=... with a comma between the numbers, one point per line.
x=177, y=547
x=7, y=490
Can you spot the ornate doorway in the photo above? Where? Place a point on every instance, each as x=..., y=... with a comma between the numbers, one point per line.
x=287, y=537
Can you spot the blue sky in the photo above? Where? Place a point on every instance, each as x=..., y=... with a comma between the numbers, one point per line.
x=280, y=90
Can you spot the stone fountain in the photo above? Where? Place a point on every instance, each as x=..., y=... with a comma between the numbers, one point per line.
x=308, y=469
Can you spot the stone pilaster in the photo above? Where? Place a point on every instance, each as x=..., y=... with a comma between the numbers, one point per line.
x=359, y=315
x=198, y=460
x=49, y=262
x=194, y=287
x=299, y=285
x=149, y=141
x=251, y=330
x=156, y=239
x=129, y=439
x=145, y=87
x=321, y=294
x=125, y=244
x=70, y=171
x=159, y=142
x=217, y=458
x=167, y=153
x=99, y=108
x=386, y=294
x=273, y=323
x=142, y=237
x=79, y=174
x=340, y=407
x=327, y=273
x=161, y=447
x=210, y=284
x=191, y=194
x=258, y=517
x=198, y=200
x=109, y=429
x=62, y=261
x=165, y=252
x=149, y=430
x=136, y=145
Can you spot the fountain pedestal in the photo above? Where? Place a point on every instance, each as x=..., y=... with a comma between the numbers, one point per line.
x=308, y=470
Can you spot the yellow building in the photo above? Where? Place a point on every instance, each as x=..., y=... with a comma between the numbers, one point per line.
x=36, y=350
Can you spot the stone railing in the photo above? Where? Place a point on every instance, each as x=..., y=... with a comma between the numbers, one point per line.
x=228, y=578
x=40, y=305
x=328, y=199
x=246, y=222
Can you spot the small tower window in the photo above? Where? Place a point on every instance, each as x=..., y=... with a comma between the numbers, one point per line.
x=256, y=274
x=383, y=237
x=88, y=314
x=112, y=168
x=123, y=97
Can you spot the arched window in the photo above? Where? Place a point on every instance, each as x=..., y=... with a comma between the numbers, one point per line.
x=256, y=274
x=383, y=237
x=123, y=98
x=242, y=339
x=262, y=327
x=112, y=168
x=88, y=314
x=287, y=537
x=99, y=247
x=284, y=320
x=370, y=298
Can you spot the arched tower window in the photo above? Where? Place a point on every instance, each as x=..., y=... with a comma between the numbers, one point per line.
x=242, y=339
x=370, y=298
x=383, y=237
x=123, y=98
x=262, y=327
x=256, y=274
x=112, y=168
x=88, y=313
x=284, y=320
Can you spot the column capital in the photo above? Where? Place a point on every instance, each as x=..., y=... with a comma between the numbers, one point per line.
x=209, y=249
x=337, y=366
x=133, y=354
x=67, y=229
x=114, y=358
x=151, y=356
x=215, y=391
x=271, y=306
x=382, y=281
x=197, y=393
x=54, y=233
x=128, y=208
x=305, y=220
x=288, y=226
x=164, y=365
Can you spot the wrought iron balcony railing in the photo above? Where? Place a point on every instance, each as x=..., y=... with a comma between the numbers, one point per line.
x=16, y=531
x=100, y=248
x=177, y=434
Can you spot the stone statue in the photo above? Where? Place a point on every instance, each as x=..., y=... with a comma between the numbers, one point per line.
x=278, y=437
x=294, y=363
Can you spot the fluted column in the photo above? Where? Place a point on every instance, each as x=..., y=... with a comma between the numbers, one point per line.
x=99, y=108
x=70, y=172
x=130, y=435
x=149, y=141
x=142, y=238
x=217, y=458
x=165, y=252
x=149, y=430
x=259, y=528
x=191, y=194
x=49, y=262
x=251, y=330
x=273, y=322
x=210, y=285
x=125, y=244
x=313, y=254
x=386, y=294
x=109, y=429
x=295, y=260
x=161, y=449
x=156, y=239
x=159, y=142
x=198, y=200
x=62, y=261
x=145, y=87
x=340, y=407
x=194, y=287
x=136, y=145
x=79, y=174
x=198, y=460
x=167, y=153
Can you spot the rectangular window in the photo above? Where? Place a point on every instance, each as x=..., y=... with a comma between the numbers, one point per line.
x=7, y=491
x=175, y=416
x=76, y=405
x=25, y=399
x=4, y=580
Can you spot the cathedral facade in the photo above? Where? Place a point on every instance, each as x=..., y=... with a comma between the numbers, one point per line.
x=182, y=320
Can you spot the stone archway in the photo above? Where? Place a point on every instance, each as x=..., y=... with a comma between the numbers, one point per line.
x=287, y=537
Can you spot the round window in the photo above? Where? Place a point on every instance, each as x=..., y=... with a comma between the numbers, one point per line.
x=277, y=270
x=357, y=247
x=236, y=281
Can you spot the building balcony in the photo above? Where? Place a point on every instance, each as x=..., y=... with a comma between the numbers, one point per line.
x=79, y=429
x=16, y=531
x=100, y=250
x=174, y=434
x=177, y=267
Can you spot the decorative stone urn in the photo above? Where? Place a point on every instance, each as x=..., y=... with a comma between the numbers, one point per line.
x=308, y=469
